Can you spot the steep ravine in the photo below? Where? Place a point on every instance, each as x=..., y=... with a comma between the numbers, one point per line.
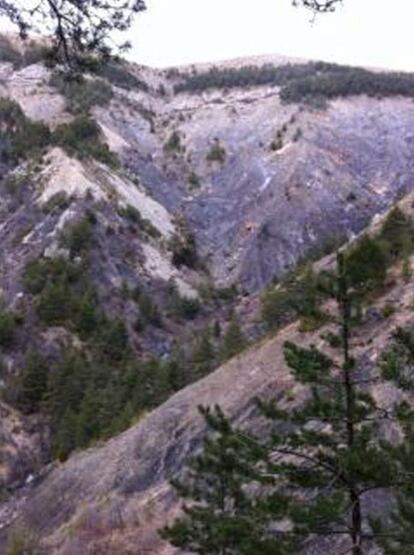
x=256, y=207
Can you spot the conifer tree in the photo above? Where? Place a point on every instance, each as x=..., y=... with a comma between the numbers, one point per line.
x=203, y=355
x=32, y=385
x=233, y=341
x=326, y=457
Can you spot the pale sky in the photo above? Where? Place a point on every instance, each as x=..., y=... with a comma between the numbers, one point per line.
x=362, y=32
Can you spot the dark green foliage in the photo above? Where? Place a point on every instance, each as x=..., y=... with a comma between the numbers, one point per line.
x=117, y=73
x=97, y=391
x=7, y=328
x=366, y=264
x=113, y=339
x=83, y=138
x=81, y=94
x=247, y=76
x=8, y=53
x=300, y=294
x=64, y=294
x=367, y=261
x=85, y=313
x=32, y=383
x=345, y=81
x=32, y=54
x=173, y=143
x=22, y=541
x=149, y=310
x=406, y=271
x=203, y=357
x=183, y=307
x=44, y=271
x=183, y=247
x=194, y=180
x=55, y=303
x=233, y=340
x=316, y=464
x=59, y=201
x=398, y=234
x=79, y=33
x=20, y=137
x=314, y=81
x=77, y=236
x=221, y=518
x=217, y=153
x=276, y=145
x=134, y=216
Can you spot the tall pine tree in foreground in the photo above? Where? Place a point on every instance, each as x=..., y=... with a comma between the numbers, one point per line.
x=311, y=480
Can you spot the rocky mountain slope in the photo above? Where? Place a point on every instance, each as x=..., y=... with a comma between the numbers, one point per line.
x=115, y=258
x=113, y=498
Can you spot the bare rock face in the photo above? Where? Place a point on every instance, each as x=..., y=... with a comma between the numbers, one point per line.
x=262, y=208
x=23, y=449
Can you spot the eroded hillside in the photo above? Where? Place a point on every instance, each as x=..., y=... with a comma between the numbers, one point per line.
x=137, y=219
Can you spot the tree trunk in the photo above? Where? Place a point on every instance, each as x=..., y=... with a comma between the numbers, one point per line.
x=345, y=313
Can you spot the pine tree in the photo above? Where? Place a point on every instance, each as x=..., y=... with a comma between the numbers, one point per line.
x=203, y=355
x=310, y=479
x=33, y=382
x=224, y=519
x=233, y=341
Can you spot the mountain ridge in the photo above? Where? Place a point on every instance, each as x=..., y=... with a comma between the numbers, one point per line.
x=192, y=194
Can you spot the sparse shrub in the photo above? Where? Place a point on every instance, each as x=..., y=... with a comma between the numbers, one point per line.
x=15, y=183
x=81, y=94
x=388, y=310
x=76, y=237
x=8, y=53
x=184, y=307
x=194, y=180
x=173, y=143
x=309, y=324
x=22, y=541
x=134, y=216
x=83, y=138
x=117, y=72
x=298, y=295
x=161, y=91
x=58, y=201
x=406, y=271
x=7, y=328
x=19, y=137
x=297, y=135
x=276, y=145
x=33, y=53
x=333, y=339
x=149, y=310
x=183, y=247
x=217, y=153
